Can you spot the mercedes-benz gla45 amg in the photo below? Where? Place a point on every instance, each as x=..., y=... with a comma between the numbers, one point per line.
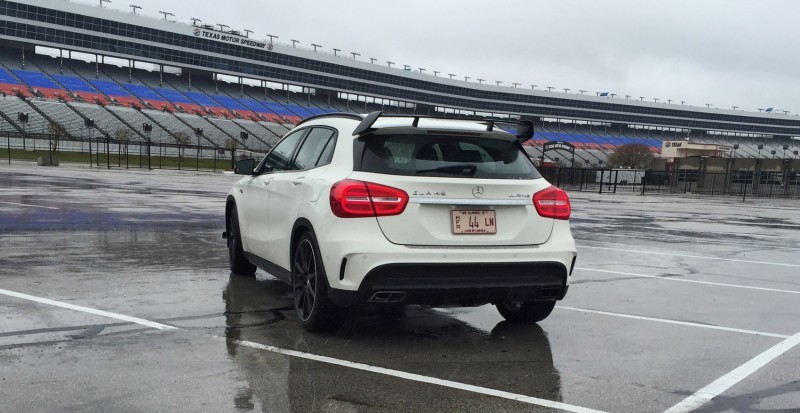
x=383, y=211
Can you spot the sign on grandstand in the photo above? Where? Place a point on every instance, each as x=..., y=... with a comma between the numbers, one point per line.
x=229, y=38
x=686, y=149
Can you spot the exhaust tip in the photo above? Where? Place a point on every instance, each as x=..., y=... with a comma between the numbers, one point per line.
x=387, y=297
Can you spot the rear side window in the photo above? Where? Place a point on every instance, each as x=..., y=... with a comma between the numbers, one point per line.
x=278, y=158
x=446, y=156
x=316, y=151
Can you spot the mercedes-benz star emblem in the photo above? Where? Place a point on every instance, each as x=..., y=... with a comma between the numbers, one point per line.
x=477, y=192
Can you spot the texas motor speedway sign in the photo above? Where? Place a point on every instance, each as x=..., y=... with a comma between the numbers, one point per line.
x=232, y=39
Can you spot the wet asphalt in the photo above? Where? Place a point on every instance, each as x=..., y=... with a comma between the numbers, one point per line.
x=148, y=245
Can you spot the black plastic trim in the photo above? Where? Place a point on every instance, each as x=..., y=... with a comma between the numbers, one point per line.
x=270, y=267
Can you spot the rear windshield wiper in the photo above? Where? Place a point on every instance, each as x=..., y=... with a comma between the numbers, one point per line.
x=466, y=170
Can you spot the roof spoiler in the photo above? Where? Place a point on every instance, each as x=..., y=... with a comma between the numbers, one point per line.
x=524, y=126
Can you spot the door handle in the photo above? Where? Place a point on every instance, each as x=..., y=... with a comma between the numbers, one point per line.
x=298, y=180
x=265, y=183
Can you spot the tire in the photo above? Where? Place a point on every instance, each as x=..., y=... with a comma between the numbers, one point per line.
x=310, y=288
x=238, y=263
x=525, y=312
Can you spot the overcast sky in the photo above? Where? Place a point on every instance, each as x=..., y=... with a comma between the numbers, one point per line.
x=731, y=52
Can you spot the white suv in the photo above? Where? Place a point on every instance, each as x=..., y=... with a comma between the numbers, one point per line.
x=388, y=210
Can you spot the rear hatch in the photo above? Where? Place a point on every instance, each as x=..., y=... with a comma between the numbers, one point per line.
x=465, y=189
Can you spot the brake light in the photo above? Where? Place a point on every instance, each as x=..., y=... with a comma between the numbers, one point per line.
x=354, y=199
x=553, y=203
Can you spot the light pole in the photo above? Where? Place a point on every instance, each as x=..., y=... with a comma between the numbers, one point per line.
x=315, y=46
x=533, y=87
x=480, y=81
x=655, y=100
x=735, y=107
x=222, y=27
x=148, y=128
x=104, y=1
x=294, y=42
x=372, y=60
x=336, y=51
x=682, y=102
x=421, y=70
x=271, y=36
x=193, y=19
x=166, y=13
x=498, y=82
x=641, y=98
x=566, y=89
x=515, y=84
x=247, y=33
x=669, y=101
x=451, y=75
x=22, y=117
x=355, y=54
x=407, y=68
x=388, y=63
x=133, y=6
x=467, y=78
x=628, y=97
x=581, y=91
x=89, y=123
x=550, y=88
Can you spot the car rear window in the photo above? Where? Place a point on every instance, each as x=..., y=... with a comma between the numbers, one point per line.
x=450, y=156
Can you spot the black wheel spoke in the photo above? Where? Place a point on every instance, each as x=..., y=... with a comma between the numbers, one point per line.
x=311, y=292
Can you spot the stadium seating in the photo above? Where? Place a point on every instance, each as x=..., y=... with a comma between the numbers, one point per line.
x=81, y=89
x=42, y=84
x=122, y=98
x=9, y=85
x=116, y=92
x=149, y=97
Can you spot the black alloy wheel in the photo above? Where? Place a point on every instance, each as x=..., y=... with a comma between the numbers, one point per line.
x=304, y=275
x=317, y=313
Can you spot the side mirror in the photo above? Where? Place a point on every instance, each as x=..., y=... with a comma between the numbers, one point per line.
x=244, y=167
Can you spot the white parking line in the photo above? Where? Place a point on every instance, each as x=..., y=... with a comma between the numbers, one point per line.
x=676, y=322
x=776, y=290
x=418, y=378
x=94, y=311
x=27, y=205
x=702, y=257
x=729, y=380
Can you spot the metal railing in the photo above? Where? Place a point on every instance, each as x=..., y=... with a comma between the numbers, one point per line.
x=741, y=183
x=105, y=152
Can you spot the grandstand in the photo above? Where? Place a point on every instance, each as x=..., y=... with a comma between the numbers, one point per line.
x=250, y=95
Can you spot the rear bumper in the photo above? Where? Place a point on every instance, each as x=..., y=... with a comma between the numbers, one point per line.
x=463, y=284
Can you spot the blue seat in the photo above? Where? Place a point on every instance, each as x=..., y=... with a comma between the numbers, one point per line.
x=6, y=77
x=229, y=102
x=174, y=96
x=110, y=88
x=75, y=84
x=36, y=79
x=142, y=92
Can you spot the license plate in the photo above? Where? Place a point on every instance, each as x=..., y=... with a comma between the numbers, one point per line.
x=473, y=222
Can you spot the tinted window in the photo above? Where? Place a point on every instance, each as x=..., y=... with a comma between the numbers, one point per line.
x=313, y=149
x=447, y=156
x=278, y=158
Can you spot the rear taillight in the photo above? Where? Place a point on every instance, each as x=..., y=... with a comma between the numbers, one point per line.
x=353, y=199
x=552, y=202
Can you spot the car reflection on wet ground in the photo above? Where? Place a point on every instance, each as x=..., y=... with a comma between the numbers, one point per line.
x=670, y=295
